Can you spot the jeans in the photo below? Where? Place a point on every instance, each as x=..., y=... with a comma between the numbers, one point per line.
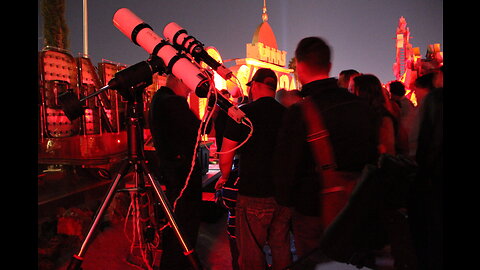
x=307, y=232
x=260, y=222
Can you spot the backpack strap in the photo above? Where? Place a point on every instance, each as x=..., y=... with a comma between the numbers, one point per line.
x=318, y=136
x=336, y=186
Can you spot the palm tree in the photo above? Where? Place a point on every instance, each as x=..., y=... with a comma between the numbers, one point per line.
x=55, y=29
x=292, y=64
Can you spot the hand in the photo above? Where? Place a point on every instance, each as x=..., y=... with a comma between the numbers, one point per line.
x=220, y=182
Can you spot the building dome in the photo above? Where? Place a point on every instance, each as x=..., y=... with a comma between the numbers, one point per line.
x=264, y=32
x=265, y=35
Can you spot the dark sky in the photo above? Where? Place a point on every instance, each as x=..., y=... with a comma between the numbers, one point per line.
x=360, y=32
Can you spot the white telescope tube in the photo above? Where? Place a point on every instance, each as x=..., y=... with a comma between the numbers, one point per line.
x=142, y=35
x=179, y=37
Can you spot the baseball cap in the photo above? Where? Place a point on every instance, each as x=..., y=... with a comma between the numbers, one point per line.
x=266, y=76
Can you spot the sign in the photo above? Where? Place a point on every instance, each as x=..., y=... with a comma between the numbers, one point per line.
x=265, y=53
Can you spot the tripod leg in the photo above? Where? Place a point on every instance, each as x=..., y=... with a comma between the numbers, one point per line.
x=167, y=209
x=77, y=259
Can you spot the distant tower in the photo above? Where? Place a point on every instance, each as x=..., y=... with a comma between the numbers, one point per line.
x=403, y=49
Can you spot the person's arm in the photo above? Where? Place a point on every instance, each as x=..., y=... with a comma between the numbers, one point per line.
x=386, y=143
x=288, y=156
x=225, y=161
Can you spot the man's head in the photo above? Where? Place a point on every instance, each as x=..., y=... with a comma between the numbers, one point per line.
x=265, y=76
x=313, y=59
x=422, y=86
x=345, y=76
x=263, y=83
x=397, y=89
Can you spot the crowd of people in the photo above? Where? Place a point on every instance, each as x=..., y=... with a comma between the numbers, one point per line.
x=275, y=186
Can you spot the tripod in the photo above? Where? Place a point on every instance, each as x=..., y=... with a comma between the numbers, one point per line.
x=135, y=160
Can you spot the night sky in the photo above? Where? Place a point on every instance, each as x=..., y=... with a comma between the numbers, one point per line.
x=360, y=32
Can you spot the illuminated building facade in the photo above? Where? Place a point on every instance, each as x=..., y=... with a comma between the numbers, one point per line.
x=263, y=52
x=409, y=64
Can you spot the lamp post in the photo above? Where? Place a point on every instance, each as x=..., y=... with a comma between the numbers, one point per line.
x=85, y=28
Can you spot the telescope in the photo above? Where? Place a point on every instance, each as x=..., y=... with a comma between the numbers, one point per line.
x=180, y=38
x=176, y=63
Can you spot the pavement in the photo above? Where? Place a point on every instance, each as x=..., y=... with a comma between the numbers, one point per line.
x=111, y=250
x=111, y=246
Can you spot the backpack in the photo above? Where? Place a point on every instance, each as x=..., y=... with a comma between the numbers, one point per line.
x=366, y=217
x=375, y=216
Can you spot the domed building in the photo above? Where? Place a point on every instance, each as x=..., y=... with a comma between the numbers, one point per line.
x=263, y=52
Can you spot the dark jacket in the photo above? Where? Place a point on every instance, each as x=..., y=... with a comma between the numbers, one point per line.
x=353, y=136
x=256, y=156
x=174, y=130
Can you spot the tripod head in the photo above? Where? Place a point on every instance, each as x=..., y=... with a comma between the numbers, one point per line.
x=126, y=82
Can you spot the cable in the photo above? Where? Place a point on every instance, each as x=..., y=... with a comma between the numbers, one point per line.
x=202, y=130
x=245, y=122
x=204, y=123
x=248, y=124
x=134, y=211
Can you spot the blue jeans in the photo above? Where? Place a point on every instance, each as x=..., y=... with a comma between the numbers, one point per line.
x=260, y=222
x=307, y=232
